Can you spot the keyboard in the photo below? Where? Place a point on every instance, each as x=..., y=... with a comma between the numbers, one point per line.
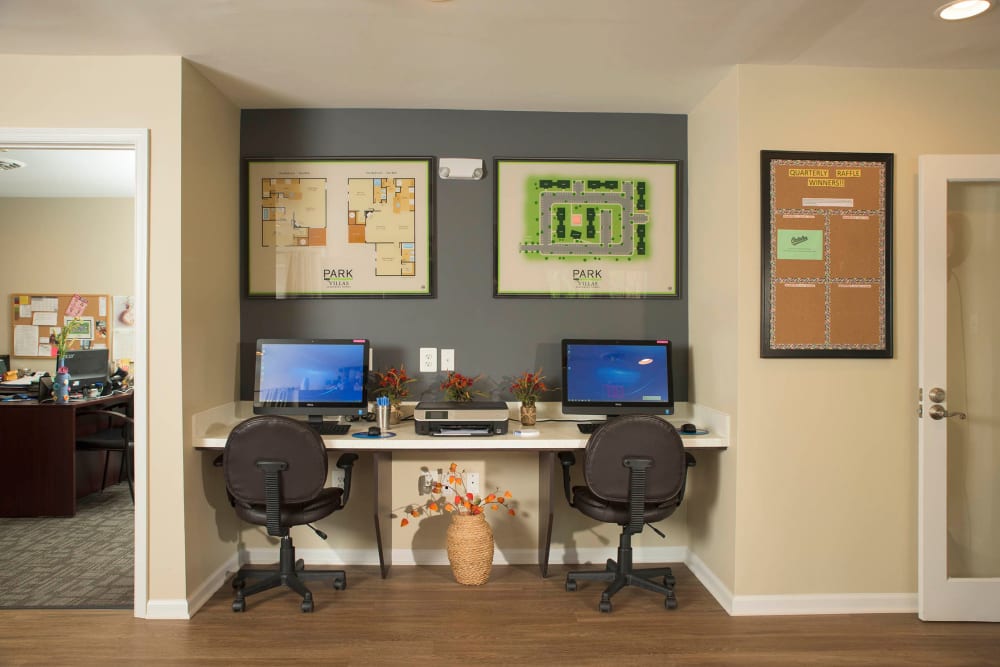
x=588, y=427
x=332, y=428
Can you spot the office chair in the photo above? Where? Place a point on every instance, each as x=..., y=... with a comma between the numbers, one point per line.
x=275, y=469
x=117, y=436
x=635, y=470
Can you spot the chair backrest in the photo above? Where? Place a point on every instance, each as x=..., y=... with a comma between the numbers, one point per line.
x=274, y=438
x=635, y=436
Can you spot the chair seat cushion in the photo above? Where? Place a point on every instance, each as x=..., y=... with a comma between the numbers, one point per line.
x=613, y=512
x=109, y=438
x=295, y=514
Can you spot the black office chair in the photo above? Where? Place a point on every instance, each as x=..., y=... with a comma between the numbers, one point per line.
x=275, y=469
x=635, y=470
x=116, y=435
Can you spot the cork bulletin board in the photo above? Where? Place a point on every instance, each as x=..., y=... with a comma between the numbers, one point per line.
x=826, y=278
x=36, y=318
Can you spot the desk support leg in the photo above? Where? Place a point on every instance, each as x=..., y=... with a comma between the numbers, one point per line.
x=382, y=474
x=546, y=493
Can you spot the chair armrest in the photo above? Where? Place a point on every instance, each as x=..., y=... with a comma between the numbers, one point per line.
x=567, y=460
x=346, y=463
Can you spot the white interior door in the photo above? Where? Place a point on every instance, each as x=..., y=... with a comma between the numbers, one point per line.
x=959, y=433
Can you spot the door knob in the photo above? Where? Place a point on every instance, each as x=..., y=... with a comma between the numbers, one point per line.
x=938, y=412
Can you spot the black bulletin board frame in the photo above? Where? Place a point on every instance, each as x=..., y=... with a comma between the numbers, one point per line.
x=842, y=309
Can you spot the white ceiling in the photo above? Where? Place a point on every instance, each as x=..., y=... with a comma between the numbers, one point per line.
x=653, y=56
x=69, y=173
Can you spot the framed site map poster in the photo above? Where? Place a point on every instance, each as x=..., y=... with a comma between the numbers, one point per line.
x=577, y=228
x=339, y=227
x=826, y=248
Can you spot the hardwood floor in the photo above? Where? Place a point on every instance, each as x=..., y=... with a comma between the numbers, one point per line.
x=419, y=616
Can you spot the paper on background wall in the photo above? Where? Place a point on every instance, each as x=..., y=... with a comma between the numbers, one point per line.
x=45, y=350
x=46, y=319
x=124, y=315
x=102, y=306
x=24, y=311
x=45, y=303
x=124, y=344
x=25, y=340
x=77, y=304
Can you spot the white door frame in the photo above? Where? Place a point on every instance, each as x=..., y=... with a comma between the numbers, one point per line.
x=137, y=140
x=941, y=597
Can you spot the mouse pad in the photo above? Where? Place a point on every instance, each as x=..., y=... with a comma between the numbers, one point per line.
x=363, y=434
x=700, y=431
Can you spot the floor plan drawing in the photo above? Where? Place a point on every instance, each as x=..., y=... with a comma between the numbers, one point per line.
x=293, y=212
x=380, y=211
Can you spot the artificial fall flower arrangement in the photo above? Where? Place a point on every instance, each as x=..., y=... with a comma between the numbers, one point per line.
x=454, y=497
x=392, y=383
x=528, y=387
x=457, y=387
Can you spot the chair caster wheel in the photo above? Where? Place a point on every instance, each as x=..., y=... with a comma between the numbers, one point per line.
x=307, y=606
x=239, y=605
x=571, y=585
x=340, y=584
x=300, y=565
x=604, y=606
x=669, y=581
x=670, y=603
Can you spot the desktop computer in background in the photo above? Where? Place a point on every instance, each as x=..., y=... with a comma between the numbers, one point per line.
x=87, y=368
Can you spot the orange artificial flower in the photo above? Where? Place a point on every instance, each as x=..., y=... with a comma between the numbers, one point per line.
x=404, y=523
x=463, y=501
x=433, y=507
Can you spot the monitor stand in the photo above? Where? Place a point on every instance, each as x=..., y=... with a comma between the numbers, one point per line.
x=327, y=427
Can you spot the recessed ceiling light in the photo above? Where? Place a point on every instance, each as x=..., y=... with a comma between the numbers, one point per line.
x=956, y=10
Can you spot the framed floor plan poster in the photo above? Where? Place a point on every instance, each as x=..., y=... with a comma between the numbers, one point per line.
x=575, y=228
x=826, y=277
x=339, y=227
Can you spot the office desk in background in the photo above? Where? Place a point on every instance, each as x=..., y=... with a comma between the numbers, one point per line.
x=43, y=472
x=553, y=437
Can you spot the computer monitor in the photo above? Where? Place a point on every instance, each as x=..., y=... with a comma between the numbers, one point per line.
x=316, y=378
x=87, y=367
x=617, y=377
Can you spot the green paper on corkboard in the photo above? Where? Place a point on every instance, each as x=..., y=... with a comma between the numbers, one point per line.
x=800, y=244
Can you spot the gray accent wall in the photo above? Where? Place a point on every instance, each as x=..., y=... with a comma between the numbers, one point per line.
x=497, y=338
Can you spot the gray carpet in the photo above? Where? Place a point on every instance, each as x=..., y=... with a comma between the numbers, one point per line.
x=80, y=562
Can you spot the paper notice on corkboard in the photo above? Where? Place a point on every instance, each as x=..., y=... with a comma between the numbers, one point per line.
x=826, y=248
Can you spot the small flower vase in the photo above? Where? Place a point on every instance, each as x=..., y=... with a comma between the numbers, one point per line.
x=529, y=414
x=395, y=413
x=470, y=548
x=60, y=386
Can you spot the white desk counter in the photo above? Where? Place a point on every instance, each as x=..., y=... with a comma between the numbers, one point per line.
x=211, y=428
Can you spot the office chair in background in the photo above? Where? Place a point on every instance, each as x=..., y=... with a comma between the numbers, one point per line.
x=116, y=435
x=275, y=469
x=635, y=471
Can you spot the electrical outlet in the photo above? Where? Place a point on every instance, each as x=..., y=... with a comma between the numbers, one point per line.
x=472, y=483
x=427, y=482
x=447, y=359
x=337, y=478
x=428, y=360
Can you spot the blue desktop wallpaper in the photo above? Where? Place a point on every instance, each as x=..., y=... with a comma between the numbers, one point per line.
x=618, y=373
x=311, y=373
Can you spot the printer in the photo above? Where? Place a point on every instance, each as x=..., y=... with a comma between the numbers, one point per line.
x=461, y=419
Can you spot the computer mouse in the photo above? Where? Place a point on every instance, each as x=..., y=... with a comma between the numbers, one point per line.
x=689, y=428
x=374, y=431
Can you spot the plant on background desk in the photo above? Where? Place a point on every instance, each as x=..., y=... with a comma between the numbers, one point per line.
x=458, y=387
x=62, y=342
x=527, y=388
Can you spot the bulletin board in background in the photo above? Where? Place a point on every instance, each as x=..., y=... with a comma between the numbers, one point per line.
x=36, y=318
x=826, y=283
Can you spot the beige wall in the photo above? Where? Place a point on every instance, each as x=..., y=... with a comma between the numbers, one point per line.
x=131, y=92
x=713, y=239
x=209, y=273
x=63, y=246
x=827, y=448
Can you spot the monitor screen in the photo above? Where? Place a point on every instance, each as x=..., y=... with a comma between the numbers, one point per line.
x=87, y=367
x=311, y=377
x=617, y=377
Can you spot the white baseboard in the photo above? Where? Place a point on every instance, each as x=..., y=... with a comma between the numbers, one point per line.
x=167, y=610
x=710, y=581
x=212, y=583
x=833, y=603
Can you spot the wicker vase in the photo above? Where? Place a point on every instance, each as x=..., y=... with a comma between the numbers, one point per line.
x=529, y=414
x=395, y=413
x=470, y=548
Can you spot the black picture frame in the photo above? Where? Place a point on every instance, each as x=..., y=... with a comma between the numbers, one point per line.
x=624, y=246
x=826, y=254
x=400, y=262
